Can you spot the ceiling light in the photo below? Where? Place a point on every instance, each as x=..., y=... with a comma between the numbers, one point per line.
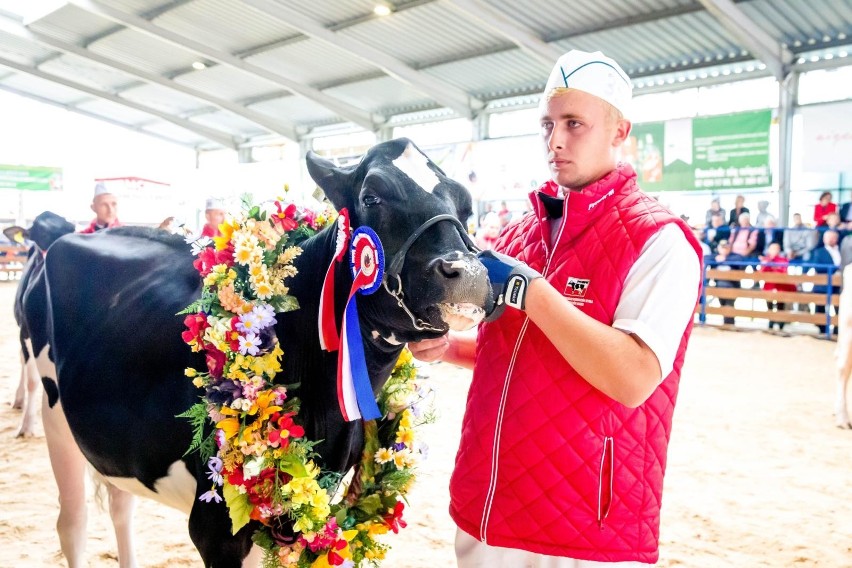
x=199, y=65
x=382, y=10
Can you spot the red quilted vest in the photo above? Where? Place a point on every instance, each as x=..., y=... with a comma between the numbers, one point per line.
x=548, y=463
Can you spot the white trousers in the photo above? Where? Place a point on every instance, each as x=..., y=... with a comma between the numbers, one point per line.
x=471, y=553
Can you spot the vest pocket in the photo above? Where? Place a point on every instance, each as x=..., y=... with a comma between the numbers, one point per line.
x=605, y=481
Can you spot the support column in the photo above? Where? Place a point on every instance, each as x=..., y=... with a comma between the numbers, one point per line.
x=480, y=127
x=788, y=100
x=244, y=155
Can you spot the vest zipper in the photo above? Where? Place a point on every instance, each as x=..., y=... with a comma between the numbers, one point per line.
x=605, y=481
x=498, y=431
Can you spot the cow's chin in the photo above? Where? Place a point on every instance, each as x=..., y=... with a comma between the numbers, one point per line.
x=460, y=317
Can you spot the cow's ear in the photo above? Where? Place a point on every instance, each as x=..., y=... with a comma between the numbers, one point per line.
x=334, y=181
x=16, y=234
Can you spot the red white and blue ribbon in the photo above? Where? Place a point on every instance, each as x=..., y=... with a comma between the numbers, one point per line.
x=354, y=389
x=328, y=336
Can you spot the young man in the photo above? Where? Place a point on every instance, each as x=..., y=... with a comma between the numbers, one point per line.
x=105, y=206
x=564, y=439
x=214, y=214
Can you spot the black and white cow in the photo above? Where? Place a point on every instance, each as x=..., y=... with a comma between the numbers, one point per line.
x=46, y=228
x=120, y=359
x=68, y=464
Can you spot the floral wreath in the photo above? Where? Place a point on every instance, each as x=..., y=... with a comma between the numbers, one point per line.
x=257, y=453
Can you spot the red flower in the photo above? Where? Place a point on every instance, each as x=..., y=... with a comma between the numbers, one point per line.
x=394, y=519
x=286, y=218
x=196, y=324
x=215, y=361
x=210, y=257
x=333, y=557
x=285, y=430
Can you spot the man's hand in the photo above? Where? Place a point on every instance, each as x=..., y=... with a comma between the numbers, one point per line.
x=429, y=350
x=510, y=279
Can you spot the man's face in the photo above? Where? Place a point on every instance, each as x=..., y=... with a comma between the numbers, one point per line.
x=830, y=238
x=581, y=136
x=105, y=207
x=215, y=217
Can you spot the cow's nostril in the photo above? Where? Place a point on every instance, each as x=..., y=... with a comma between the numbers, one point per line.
x=447, y=268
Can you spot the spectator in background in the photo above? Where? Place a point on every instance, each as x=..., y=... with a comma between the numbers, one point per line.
x=105, y=206
x=799, y=241
x=845, y=251
x=722, y=261
x=846, y=215
x=489, y=208
x=488, y=232
x=832, y=221
x=826, y=256
x=768, y=235
x=744, y=237
x=717, y=231
x=214, y=214
x=739, y=209
x=504, y=214
x=762, y=214
x=775, y=262
x=715, y=209
x=701, y=237
x=824, y=208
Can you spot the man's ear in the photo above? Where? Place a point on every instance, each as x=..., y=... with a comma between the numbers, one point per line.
x=92, y=207
x=622, y=131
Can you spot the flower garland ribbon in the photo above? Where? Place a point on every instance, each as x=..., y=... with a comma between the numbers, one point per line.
x=354, y=389
x=328, y=336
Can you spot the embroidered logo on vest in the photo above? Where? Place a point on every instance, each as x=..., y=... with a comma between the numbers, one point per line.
x=576, y=286
x=609, y=193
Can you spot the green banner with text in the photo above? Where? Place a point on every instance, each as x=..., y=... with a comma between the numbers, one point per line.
x=705, y=153
x=30, y=178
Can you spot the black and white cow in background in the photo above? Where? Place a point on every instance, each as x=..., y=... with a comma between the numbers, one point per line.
x=68, y=464
x=46, y=228
x=116, y=339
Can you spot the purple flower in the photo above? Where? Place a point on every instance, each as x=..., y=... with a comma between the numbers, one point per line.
x=224, y=393
x=211, y=495
x=214, y=464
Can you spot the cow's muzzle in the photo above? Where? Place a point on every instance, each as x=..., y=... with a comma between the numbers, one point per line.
x=394, y=269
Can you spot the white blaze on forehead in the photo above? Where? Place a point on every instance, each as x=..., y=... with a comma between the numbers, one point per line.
x=415, y=165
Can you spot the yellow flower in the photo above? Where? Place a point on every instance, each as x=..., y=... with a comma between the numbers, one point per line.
x=406, y=419
x=190, y=372
x=227, y=230
x=198, y=382
x=384, y=455
x=405, y=436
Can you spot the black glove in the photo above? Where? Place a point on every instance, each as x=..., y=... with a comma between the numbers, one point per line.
x=510, y=279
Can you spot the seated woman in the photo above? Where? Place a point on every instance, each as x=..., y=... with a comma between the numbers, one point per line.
x=774, y=261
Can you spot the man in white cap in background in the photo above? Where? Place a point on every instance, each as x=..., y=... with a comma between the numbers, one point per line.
x=214, y=214
x=105, y=206
x=575, y=373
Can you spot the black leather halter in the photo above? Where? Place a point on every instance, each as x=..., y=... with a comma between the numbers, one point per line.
x=394, y=269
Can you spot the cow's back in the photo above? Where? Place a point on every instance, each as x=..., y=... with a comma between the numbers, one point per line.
x=116, y=338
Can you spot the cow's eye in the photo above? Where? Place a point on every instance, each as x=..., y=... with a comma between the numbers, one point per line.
x=369, y=200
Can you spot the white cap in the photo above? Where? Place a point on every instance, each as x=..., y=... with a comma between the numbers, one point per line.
x=214, y=203
x=101, y=188
x=595, y=74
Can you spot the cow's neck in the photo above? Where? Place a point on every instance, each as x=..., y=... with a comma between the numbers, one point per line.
x=315, y=369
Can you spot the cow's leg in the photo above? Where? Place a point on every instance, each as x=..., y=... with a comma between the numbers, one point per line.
x=31, y=399
x=210, y=531
x=121, y=507
x=844, y=370
x=841, y=411
x=21, y=391
x=69, y=468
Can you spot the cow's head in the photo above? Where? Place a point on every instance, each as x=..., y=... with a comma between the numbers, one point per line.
x=419, y=215
x=46, y=228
